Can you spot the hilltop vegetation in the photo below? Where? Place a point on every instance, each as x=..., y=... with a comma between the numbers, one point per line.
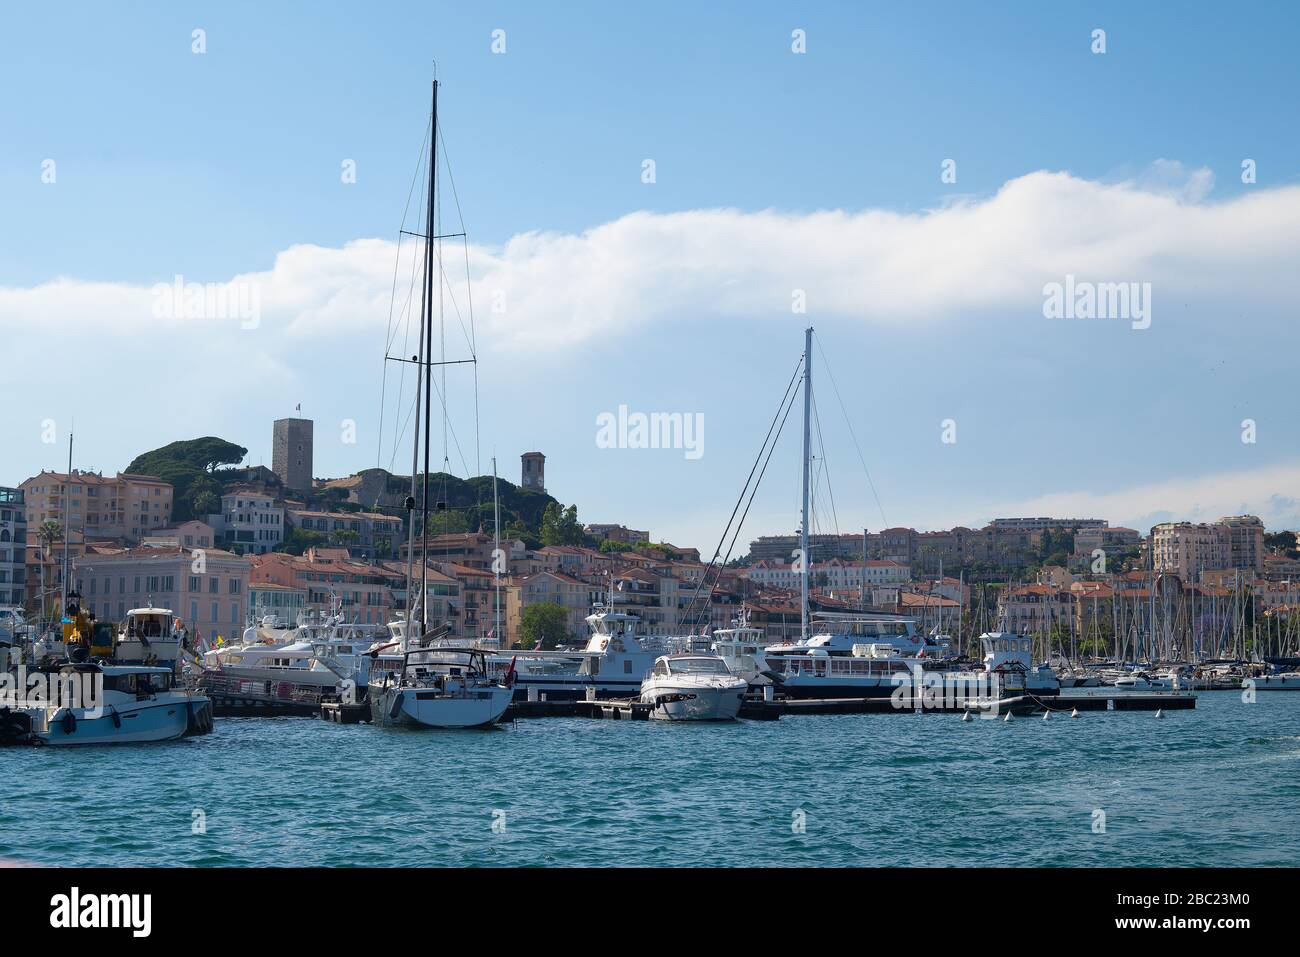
x=188, y=465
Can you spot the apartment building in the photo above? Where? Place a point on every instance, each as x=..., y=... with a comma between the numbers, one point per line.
x=1188, y=549
x=617, y=533
x=837, y=574
x=126, y=507
x=208, y=592
x=13, y=547
x=250, y=523
x=573, y=594
x=365, y=534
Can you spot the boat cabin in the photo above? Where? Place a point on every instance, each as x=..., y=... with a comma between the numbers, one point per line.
x=1003, y=649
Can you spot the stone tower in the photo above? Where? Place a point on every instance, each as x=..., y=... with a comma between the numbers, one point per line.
x=291, y=453
x=534, y=471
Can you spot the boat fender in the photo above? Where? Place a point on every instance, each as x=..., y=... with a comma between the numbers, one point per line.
x=69, y=722
x=396, y=707
x=1074, y=713
x=117, y=718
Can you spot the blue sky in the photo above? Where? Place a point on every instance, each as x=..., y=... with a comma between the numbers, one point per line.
x=212, y=165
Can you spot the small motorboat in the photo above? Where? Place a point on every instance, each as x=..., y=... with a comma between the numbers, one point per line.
x=116, y=704
x=693, y=688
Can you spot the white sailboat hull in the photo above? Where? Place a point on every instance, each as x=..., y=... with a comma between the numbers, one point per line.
x=391, y=706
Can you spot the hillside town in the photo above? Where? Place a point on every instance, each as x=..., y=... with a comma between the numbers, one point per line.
x=278, y=542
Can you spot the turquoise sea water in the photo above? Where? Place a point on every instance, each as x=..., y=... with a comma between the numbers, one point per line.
x=1216, y=786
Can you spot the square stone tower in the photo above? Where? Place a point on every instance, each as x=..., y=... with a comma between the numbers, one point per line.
x=291, y=452
x=534, y=471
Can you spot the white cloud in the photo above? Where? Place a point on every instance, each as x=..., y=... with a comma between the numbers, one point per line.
x=873, y=265
x=1266, y=492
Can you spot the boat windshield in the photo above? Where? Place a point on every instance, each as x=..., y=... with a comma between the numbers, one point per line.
x=697, y=666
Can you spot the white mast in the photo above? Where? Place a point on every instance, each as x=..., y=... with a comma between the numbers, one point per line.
x=496, y=556
x=807, y=439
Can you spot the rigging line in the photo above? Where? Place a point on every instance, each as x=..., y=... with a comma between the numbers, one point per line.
x=721, y=541
x=472, y=336
x=826, y=468
x=454, y=438
x=392, y=299
x=760, y=479
x=400, y=433
x=830, y=375
x=789, y=404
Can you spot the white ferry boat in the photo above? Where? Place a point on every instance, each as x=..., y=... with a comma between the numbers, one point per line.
x=854, y=656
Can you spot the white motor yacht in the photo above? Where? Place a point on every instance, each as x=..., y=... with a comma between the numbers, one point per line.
x=1283, y=681
x=693, y=688
x=1143, y=681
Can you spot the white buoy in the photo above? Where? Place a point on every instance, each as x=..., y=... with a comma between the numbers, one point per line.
x=1074, y=713
x=1160, y=712
x=965, y=715
x=1008, y=717
x=1047, y=716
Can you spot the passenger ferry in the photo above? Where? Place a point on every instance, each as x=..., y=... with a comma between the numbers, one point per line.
x=612, y=665
x=854, y=656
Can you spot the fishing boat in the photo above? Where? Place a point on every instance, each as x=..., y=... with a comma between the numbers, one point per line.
x=693, y=688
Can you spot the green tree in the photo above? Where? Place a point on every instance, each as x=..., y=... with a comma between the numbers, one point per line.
x=298, y=540
x=206, y=502
x=560, y=525
x=546, y=622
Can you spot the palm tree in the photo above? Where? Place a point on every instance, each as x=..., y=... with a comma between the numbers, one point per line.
x=47, y=534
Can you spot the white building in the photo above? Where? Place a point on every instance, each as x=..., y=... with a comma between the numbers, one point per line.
x=250, y=523
x=836, y=574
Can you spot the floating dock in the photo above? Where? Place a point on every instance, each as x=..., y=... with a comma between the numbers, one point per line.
x=758, y=709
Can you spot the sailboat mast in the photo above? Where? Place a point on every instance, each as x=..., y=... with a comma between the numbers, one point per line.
x=807, y=441
x=428, y=361
x=496, y=530
x=63, y=609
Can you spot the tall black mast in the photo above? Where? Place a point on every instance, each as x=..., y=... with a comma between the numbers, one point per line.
x=428, y=362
